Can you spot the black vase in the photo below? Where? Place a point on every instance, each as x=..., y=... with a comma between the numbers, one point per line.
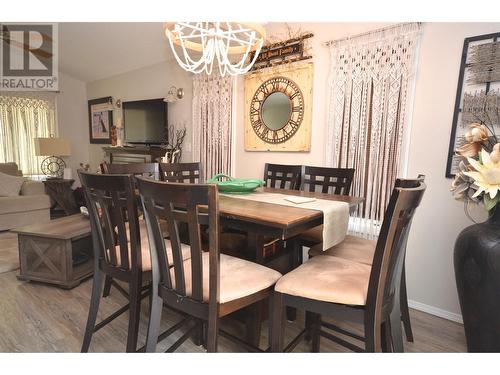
x=477, y=273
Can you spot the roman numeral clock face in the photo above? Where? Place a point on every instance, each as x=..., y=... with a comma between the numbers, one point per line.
x=277, y=110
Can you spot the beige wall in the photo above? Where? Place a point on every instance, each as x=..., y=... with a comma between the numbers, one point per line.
x=72, y=119
x=147, y=83
x=431, y=284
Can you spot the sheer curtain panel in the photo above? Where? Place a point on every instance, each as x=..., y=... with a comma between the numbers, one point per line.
x=24, y=117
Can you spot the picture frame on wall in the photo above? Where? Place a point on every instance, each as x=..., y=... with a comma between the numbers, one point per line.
x=100, y=120
x=478, y=92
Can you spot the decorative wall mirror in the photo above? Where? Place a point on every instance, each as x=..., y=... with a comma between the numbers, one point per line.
x=278, y=109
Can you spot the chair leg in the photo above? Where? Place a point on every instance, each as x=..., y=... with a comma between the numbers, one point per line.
x=134, y=317
x=94, y=307
x=107, y=286
x=277, y=323
x=198, y=333
x=315, y=332
x=154, y=321
x=213, y=332
x=254, y=323
x=308, y=325
x=396, y=333
x=385, y=334
x=405, y=312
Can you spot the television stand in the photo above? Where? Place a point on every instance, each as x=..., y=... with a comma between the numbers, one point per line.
x=134, y=154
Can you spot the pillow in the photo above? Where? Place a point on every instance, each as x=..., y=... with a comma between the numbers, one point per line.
x=10, y=185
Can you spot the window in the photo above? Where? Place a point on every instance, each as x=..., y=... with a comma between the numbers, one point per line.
x=23, y=118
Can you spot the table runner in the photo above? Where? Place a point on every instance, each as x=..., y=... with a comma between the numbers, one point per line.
x=335, y=213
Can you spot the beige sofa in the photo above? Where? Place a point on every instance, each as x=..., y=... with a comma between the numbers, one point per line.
x=30, y=207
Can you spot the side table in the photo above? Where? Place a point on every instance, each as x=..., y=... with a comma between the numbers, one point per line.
x=60, y=192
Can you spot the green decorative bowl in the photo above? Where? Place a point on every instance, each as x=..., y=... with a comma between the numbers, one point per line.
x=235, y=185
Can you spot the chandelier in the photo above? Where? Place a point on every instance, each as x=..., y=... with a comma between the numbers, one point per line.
x=201, y=44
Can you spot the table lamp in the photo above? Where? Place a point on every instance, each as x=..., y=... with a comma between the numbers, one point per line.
x=52, y=166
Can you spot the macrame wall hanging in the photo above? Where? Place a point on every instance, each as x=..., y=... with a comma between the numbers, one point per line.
x=370, y=81
x=212, y=136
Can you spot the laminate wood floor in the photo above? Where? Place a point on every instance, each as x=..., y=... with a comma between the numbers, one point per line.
x=36, y=317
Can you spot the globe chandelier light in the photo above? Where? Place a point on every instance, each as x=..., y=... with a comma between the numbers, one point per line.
x=229, y=44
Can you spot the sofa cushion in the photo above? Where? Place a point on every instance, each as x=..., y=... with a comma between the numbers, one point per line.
x=10, y=186
x=32, y=188
x=24, y=203
x=10, y=169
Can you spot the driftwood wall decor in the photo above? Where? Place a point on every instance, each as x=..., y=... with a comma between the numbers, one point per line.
x=478, y=92
x=284, y=52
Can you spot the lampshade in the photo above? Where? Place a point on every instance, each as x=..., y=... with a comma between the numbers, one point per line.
x=52, y=147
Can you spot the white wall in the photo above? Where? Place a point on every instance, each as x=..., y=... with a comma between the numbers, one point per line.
x=147, y=83
x=431, y=282
x=72, y=120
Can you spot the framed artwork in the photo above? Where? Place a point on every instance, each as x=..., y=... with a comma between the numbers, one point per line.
x=478, y=92
x=100, y=119
x=278, y=109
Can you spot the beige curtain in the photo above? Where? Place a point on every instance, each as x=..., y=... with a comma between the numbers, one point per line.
x=24, y=117
x=212, y=107
x=371, y=80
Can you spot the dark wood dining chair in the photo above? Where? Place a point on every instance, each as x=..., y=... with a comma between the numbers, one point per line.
x=363, y=250
x=282, y=176
x=182, y=172
x=328, y=181
x=337, y=287
x=137, y=169
x=118, y=250
x=210, y=285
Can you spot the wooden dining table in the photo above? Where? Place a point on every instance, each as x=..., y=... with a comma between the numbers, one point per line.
x=261, y=220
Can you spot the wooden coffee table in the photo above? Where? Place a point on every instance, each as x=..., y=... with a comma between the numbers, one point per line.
x=57, y=251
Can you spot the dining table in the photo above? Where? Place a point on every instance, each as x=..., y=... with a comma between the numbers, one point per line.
x=263, y=220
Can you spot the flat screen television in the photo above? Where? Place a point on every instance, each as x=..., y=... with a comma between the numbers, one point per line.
x=145, y=121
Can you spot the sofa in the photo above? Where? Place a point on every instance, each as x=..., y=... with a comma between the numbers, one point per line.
x=31, y=206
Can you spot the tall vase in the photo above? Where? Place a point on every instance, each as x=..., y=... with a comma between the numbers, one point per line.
x=477, y=273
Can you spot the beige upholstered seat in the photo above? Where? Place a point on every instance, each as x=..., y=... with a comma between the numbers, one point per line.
x=352, y=248
x=327, y=278
x=145, y=252
x=238, y=278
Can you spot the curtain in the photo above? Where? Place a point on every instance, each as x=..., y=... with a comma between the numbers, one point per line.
x=370, y=84
x=24, y=117
x=212, y=107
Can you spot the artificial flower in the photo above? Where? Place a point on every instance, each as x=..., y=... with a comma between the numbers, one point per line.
x=487, y=173
x=475, y=136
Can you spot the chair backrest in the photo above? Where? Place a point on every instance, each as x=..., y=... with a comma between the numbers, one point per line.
x=326, y=180
x=176, y=203
x=112, y=207
x=136, y=169
x=281, y=176
x=385, y=277
x=181, y=172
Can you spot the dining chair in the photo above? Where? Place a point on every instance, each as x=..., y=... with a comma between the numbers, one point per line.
x=182, y=172
x=282, y=176
x=118, y=250
x=151, y=170
x=362, y=250
x=209, y=285
x=137, y=169
x=338, y=287
x=328, y=181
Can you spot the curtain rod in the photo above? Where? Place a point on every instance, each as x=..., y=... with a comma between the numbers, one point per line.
x=376, y=31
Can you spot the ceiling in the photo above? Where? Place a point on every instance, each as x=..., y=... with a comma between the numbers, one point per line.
x=92, y=51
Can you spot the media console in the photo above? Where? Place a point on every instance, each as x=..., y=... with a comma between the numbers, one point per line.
x=135, y=154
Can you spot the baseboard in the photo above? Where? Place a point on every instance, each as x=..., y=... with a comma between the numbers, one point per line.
x=435, y=311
